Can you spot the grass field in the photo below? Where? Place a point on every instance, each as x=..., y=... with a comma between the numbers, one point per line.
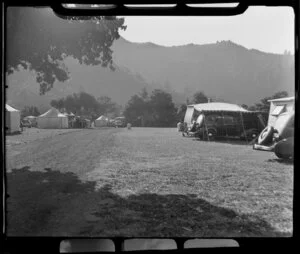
x=143, y=182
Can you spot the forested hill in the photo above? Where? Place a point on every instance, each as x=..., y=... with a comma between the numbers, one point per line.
x=223, y=70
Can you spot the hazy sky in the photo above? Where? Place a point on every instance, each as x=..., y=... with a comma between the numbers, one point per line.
x=269, y=29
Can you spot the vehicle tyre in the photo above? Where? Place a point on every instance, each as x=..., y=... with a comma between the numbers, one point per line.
x=252, y=135
x=212, y=133
x=266, y=135
x=284, y=149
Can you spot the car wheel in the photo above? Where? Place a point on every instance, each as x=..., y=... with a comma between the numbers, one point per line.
x=211, y=134
x=266, y=135
x=252, y=135
x=284, y=149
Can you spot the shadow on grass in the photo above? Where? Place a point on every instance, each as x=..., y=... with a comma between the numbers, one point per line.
x=225, y=141
x=37, y=199
x=282, y=161
x=16, y=133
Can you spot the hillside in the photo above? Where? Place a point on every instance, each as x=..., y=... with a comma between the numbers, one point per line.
x=223, y=70
x=120, y=85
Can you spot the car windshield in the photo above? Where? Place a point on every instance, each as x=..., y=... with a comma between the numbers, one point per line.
x=111, y=151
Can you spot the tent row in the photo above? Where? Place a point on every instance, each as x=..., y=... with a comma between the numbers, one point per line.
x=52, y=119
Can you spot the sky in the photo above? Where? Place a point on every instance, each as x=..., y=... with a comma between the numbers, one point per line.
x=269, y=29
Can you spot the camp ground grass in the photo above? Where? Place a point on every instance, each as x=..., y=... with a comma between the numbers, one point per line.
x=149, y=182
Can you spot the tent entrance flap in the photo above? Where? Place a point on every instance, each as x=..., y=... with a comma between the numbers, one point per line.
x=189, y=114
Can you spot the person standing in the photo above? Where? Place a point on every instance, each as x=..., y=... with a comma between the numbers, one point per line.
x=179, y=126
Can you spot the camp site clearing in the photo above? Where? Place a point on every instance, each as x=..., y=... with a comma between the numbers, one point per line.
x=149, y=182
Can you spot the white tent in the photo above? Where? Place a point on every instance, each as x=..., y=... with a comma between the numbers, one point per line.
x=52, y=119
x=12, y=119
x=101, y=121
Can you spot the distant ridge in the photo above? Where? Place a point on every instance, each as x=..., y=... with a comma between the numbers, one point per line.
x=225, y=71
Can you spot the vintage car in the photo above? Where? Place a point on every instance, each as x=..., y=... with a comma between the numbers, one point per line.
x=228, y=125
x=26, y=123
x=280, y=128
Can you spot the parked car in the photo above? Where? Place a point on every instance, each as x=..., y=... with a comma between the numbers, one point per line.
x=216, y=125
x=119, y=122
x=272, y=134
x=32, y=119
x=278, y=138
x=26, y=123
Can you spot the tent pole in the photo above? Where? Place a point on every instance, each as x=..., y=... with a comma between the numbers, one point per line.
x=244, y=128
x=224, y=126
x=206, y=127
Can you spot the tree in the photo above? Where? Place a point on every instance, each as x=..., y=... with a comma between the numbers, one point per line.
x=162, y=109
x=244, y=106
x=264, y=105
x=106, y=105
x=86, y=104
x=158, y=110
x=30, y=111
x=39, y=40
x=144, y=94
x=181, y=112
x=199, y=97
x=135, y=110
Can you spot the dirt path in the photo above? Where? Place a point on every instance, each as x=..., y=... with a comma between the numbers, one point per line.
x=145, y=182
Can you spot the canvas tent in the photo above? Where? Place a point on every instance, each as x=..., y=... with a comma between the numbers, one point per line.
x=52, y=119
x=101, y=121
x=12, y=119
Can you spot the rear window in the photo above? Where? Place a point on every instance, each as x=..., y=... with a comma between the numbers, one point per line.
x=278, y=110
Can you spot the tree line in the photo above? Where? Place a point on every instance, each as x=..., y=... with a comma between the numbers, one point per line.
x=264, y=104
x=155, y=109
x=87, y=105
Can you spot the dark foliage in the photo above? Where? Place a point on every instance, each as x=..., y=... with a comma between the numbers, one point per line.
x=30, y=111
x=40, y=41
x=199, y=97
x=85, y=104
x=158, y=110
x=264, y=105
